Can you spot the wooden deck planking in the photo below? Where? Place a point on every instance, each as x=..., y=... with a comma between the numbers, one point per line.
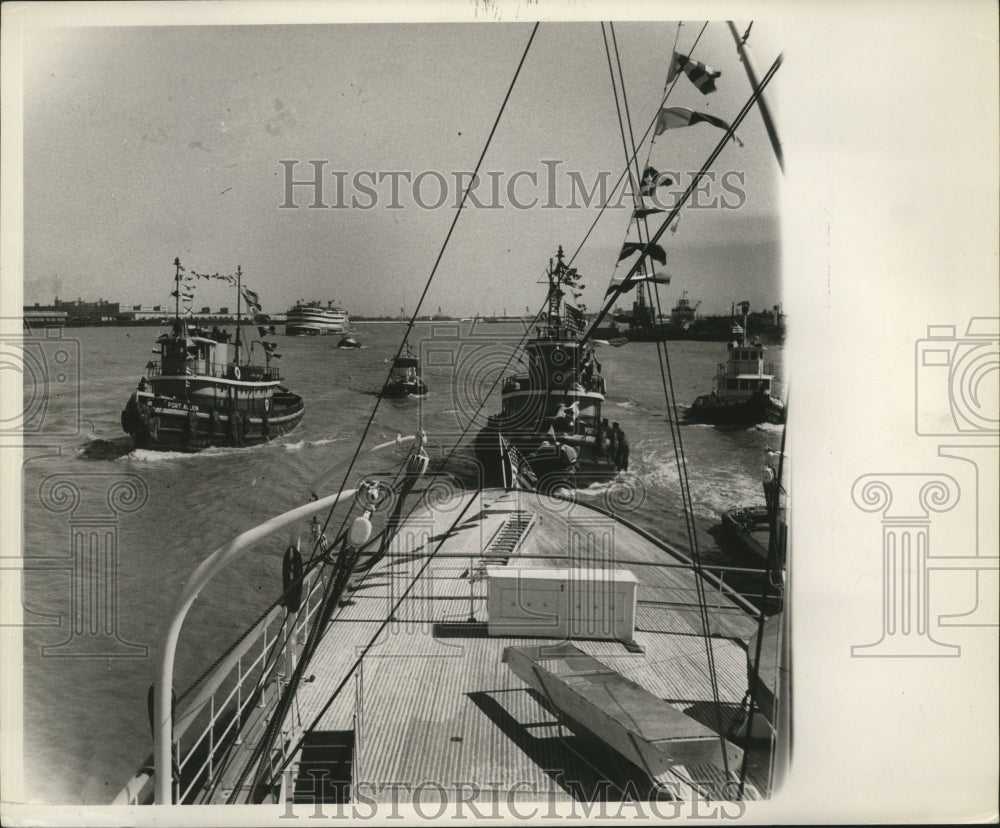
x=447, y=710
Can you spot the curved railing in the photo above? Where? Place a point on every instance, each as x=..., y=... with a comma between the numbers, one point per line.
x=230, y=695
x=209, y=568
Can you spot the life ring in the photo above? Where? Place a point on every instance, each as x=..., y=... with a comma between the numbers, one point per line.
x=154, y=428
x=267, y=403
x=767, y=475
x=236, y=371
x=291, y=579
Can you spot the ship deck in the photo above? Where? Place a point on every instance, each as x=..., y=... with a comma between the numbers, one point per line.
x=432, y=707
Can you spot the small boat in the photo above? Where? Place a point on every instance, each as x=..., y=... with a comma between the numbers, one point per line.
x=749, y=528
x=324, y=715
x=742, y=393
x=202, y=393
x=405, y=379
x=348, y=342
x=315, y=319
x=551, y=416
x=456, y=641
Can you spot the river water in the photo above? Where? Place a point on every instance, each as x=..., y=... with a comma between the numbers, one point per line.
x=85, y=720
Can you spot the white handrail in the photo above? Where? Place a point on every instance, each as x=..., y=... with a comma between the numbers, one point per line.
x=399, y=441
x=208, y=569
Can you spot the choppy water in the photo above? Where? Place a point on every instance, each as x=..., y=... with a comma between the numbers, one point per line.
x=86, y=728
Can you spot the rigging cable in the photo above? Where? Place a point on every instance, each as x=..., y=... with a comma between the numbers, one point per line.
x=669, y=394
x=430, y=278
x=690, y=188
x=624, y=172
x=339, y=581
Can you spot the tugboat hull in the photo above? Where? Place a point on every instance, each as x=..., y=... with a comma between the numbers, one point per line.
x=746, y=411
x=399, y=390
x=168, y=424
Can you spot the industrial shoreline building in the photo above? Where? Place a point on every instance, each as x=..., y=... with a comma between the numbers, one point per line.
x=77, y=313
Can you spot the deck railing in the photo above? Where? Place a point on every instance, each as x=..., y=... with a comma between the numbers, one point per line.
x=231, y=695
x=204, y=368
x=264, y=660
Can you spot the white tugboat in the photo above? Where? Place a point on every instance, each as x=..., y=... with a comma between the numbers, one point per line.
x=742, y=393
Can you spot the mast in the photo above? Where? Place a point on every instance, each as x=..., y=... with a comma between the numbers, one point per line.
x=765, y=113
x=239, y=293
x=177, y=294
x=554, y=287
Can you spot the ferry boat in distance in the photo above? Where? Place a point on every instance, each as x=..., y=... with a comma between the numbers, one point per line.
x=313, y=319
x=742, y=394
x=202, y=393
x=551, y=417
x=455, y=641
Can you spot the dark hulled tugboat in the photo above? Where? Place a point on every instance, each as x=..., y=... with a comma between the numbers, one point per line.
x=742, y=394
x=551, y=416
x=201, y=393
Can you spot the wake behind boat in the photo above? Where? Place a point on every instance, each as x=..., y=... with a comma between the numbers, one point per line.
x=202, y=392
x=452, y=641
x=552, y=656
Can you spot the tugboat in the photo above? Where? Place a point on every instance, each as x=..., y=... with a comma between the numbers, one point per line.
x=742, y=394
x=405, y=379
x=348, y=341
x=551, y=417
x=201, y=393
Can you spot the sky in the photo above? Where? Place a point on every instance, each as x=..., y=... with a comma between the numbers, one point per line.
x=142, y=144
x=889, y=221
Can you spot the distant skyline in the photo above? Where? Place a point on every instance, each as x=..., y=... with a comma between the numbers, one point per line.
x=142, y=144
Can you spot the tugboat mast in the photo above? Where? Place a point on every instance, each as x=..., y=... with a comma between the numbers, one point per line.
x=239, y=293
x=554, y=281
x=177, y=292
